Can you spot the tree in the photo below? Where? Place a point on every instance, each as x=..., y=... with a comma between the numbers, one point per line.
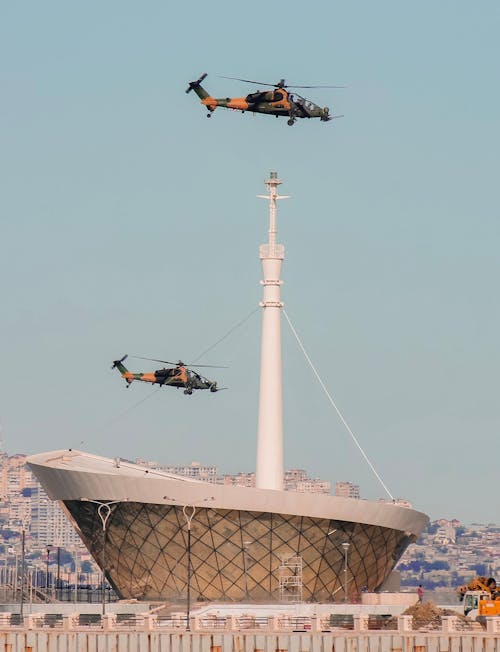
x=480, y=569
x=9, y=534
x=87, y=567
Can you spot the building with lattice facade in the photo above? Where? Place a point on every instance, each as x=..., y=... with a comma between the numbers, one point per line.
x=168, y=536
x=239, y=535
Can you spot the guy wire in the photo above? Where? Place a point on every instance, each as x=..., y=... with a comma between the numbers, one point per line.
x=346, y=425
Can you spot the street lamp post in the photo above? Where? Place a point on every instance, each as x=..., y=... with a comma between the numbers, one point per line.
x=345, y=546
x=189, y=512
x=21, y=605
x=104, y=512
x=245, y=565
x=47, y=571
x=58, y=576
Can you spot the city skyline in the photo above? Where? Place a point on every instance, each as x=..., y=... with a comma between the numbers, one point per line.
x=52, y=525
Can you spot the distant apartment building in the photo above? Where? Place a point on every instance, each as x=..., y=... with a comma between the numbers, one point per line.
x=15, y=482
x=298, y=480
x=14, y=475
x=239, y=480
x=346, y=490
x=49, y=524
x=25, y=506
x=295, y=479
x=195, y=470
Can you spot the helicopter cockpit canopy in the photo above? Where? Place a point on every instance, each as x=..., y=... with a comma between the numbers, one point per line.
x=305, y=105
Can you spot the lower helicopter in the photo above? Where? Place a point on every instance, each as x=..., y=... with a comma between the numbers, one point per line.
x=276, y=101
x=180, y=375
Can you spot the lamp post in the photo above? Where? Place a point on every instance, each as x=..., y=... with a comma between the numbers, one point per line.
x=47, y=571
x=245, y=565
x=58, y=576
x=345, y=546
x=189, y=512
x=21, y=605
x=104, y=512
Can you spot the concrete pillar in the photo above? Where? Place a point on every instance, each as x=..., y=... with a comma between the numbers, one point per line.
x=360, y=622
x=149, y=622
x=493, y=625
x=273, y=624
x=69, y=622
x=108, y=621
x=315, y=624
x=405, y=623
x=31, y=621
x=232, y=623
x=448, y=623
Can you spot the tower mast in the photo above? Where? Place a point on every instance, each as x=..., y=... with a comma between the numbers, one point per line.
x=269, y=469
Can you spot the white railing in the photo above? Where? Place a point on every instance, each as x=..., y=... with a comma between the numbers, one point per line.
x=213, y=623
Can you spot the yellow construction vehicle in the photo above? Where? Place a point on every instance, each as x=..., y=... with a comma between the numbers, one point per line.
x=481, y=597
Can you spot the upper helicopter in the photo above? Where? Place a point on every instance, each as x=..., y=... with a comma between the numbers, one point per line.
x=277, y=102
x=178, y=376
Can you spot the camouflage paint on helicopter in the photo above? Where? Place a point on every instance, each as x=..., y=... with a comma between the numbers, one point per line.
x=277, y=102
x=178, y=376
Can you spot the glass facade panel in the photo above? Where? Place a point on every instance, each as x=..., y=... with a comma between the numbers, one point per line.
x=235, y=555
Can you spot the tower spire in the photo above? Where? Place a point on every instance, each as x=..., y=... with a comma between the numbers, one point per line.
x=269, y=469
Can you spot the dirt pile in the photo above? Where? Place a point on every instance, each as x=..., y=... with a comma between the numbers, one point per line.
x=427, y=616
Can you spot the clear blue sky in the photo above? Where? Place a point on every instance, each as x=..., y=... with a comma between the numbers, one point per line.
x=129, y=224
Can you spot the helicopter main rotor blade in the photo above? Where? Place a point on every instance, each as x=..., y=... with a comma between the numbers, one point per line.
x=178, y=363
x=295, y=86
x=213, y=366
x=248, y=81
x=140, y=357
x=280, y=84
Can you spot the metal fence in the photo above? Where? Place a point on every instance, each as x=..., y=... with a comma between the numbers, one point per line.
x=40, y=586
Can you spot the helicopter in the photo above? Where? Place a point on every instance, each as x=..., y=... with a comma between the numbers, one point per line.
x=277, y=102
x=178, y=376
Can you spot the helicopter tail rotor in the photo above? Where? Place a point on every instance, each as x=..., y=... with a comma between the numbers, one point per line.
x=195, y=85
x=117, y=363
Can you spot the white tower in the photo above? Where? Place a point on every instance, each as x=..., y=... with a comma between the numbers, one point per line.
x=269, y=471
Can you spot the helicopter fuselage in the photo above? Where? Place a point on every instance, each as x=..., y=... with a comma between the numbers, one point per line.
x=179, y=376
x=272, y=102
x=277, y=102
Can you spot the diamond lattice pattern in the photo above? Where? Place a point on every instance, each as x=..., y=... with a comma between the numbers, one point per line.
x=235, y=555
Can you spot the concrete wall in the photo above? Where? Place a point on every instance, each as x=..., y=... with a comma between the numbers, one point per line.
x=50, y=641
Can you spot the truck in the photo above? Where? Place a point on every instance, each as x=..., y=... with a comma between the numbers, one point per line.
x=481, y=597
